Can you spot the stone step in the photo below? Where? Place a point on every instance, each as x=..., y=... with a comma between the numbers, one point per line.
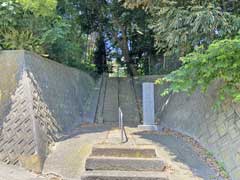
x=124, y=164
x=123, y=175
x=127, y=123
x=137, y=152
x=110, y=108
x=127, y=101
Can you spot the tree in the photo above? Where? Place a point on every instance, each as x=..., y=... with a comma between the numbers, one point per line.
x=40, y=27
x=202, y=33
x=180, y=26
x=146, y=34
x=125, y=30
x=100, y=55
x=202, y=67
x=39, y=7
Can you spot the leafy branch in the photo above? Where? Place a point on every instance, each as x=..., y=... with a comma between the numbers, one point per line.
x=221, y=61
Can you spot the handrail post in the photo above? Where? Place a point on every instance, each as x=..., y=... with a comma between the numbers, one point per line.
x=121, y=126
x=119, y=118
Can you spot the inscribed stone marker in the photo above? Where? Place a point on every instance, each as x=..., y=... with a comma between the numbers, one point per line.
x=148, y=107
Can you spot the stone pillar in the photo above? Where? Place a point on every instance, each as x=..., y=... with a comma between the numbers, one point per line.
x=148, y=107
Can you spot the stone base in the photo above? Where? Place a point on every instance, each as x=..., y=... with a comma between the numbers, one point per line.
x=148, y=127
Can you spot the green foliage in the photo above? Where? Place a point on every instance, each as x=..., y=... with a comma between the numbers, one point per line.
x=149, y=35
x=39, y=7
x=179, y=28
x=36, y=26
x=125, y=30
x=14, y=31
x=8, y=13
x=13, y=39
x=221, y=61
x=59, y=30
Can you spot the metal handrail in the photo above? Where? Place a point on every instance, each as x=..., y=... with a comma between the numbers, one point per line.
x=121, y=127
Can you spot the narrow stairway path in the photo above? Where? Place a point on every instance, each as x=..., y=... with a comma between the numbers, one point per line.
x=68, y=156
x=182, y=162
x=110, y=108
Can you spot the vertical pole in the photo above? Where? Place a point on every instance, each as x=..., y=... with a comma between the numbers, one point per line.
x=119, y=118
x=164, y=62
x=121, y=123
x=149, y=65
x=122, y=127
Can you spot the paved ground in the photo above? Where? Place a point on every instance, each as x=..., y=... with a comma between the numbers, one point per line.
x=16, y=173
x=68, y=156
x=182, y=161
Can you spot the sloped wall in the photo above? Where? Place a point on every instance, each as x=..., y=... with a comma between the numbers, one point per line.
x=39, y=100
x=28, y=129
x=218, y=131
x=10, y=72
x=69, y=93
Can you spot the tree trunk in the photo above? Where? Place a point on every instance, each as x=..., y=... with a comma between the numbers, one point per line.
x=125, y=51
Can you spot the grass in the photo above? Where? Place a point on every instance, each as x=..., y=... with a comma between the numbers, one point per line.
x=220, y=165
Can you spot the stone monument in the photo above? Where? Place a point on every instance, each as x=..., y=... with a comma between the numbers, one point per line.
x=148, y=107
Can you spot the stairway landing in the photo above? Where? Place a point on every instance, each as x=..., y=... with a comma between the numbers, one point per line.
x=113, y=160
x=67, y=158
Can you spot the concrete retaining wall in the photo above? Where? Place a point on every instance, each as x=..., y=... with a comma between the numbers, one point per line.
x=69, y=93
x=39, y=99
x=218, y=131
x=10, y=73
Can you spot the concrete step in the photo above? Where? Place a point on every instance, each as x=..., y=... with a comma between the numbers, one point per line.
x=136, y=152
x=127, y=101
x=126, y=124
x=123, y=175
x=124, y=164
x=110, y=109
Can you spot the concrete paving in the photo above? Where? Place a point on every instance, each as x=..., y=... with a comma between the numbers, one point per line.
x=10, y=172
x=67, y=159
x=182, y=161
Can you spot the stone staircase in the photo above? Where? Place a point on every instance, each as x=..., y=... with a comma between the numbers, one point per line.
x=110, y=109
x=127, y=101
x=124, y=163
x=117, y=92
